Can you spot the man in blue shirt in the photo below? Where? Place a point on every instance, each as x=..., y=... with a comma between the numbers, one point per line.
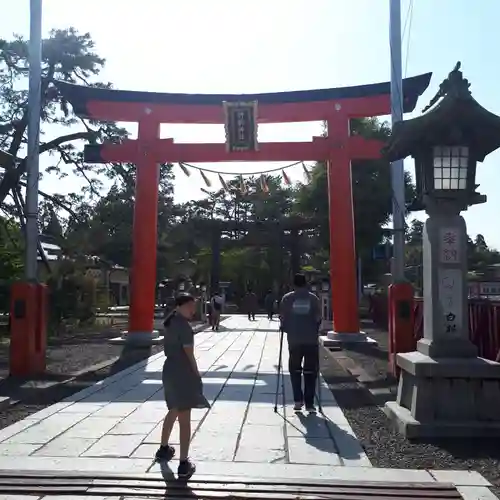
x=300, y=315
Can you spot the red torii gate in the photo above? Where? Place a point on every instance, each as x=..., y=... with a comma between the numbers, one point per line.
x=334, y=106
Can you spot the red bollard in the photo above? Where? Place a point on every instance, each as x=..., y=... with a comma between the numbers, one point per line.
x=28, y=329
x=400, y=322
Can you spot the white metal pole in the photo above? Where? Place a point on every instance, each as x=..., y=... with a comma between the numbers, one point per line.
x=397, y=167
x=32, y=166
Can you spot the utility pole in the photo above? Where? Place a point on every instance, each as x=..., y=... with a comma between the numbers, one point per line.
x=397, y=167
x=32, y=166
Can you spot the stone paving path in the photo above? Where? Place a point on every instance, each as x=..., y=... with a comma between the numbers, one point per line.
x=121, y=417
x=114, y=426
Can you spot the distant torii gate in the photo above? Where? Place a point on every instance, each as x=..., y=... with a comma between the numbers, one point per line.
x=334, y=106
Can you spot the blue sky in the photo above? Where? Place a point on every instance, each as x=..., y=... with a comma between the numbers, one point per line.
x=274, y=45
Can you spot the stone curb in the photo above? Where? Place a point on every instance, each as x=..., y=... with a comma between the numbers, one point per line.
x=362, y=377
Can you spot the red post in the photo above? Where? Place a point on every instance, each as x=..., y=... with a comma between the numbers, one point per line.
x=28, y=329
x=343, y=269
x=401, y=319
x=144, y=237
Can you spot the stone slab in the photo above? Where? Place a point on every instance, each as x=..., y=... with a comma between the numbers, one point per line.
x=14, y=449
x=334, y=340
x=65, y=447
x=413, y=429
x=421, y=365
x=261, y=455
x=460, y=477
x=306, y=450
x=304, y=472
x=143, y=341
x=45, y=430
x=125, y=428
x=309, y=428
x=154, y=436
x=476, y=493
x=115, y=446
x=80, y=464
x=116, y=409
x=92, y=427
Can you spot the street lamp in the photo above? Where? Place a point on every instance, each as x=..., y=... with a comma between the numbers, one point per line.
x=446, y=142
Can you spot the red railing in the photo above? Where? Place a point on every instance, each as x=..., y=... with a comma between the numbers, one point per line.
x=484, y=322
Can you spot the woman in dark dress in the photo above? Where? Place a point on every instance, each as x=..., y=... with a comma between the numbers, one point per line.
x=182, y=384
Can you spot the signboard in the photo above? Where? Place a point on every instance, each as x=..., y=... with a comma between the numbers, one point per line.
x=241, y=126
x=450, y=291
x=449, y=246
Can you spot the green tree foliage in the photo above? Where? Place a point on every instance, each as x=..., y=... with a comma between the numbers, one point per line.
x=11, y=249
x=413, y=253
x=251, y=252
x=68, y=56
x=480, y=257
x=11, y=264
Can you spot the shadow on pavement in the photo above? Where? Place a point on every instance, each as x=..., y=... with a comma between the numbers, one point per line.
x=48, y=388
x=311, y=423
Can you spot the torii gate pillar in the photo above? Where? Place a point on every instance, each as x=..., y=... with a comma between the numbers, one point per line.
x=343, y=271
x=144, y=237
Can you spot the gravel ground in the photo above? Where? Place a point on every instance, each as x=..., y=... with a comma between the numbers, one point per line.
x=71, y=352
x=387, y=448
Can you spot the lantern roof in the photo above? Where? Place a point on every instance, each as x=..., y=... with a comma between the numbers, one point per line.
x=452, y=114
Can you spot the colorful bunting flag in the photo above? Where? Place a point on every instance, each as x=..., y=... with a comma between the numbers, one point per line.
x=223, y=183
x=263, y=184
x=243, y=187
x=307, y=173
x=205, y=179
x=286, y=179
x=185, y=170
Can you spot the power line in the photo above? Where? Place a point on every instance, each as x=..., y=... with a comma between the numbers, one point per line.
x=407, y=25
x=408, y=40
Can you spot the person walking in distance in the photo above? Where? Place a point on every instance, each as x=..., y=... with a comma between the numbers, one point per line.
x=182, y=384
x=251, y=304
x=216, y=304
x=300, y=316
x=269, y=302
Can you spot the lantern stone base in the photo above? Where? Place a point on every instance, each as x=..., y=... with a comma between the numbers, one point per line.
x=446, y=397
x=139, y=339
x=338, y=340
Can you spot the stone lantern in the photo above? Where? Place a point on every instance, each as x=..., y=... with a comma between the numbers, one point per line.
x=444, y=388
